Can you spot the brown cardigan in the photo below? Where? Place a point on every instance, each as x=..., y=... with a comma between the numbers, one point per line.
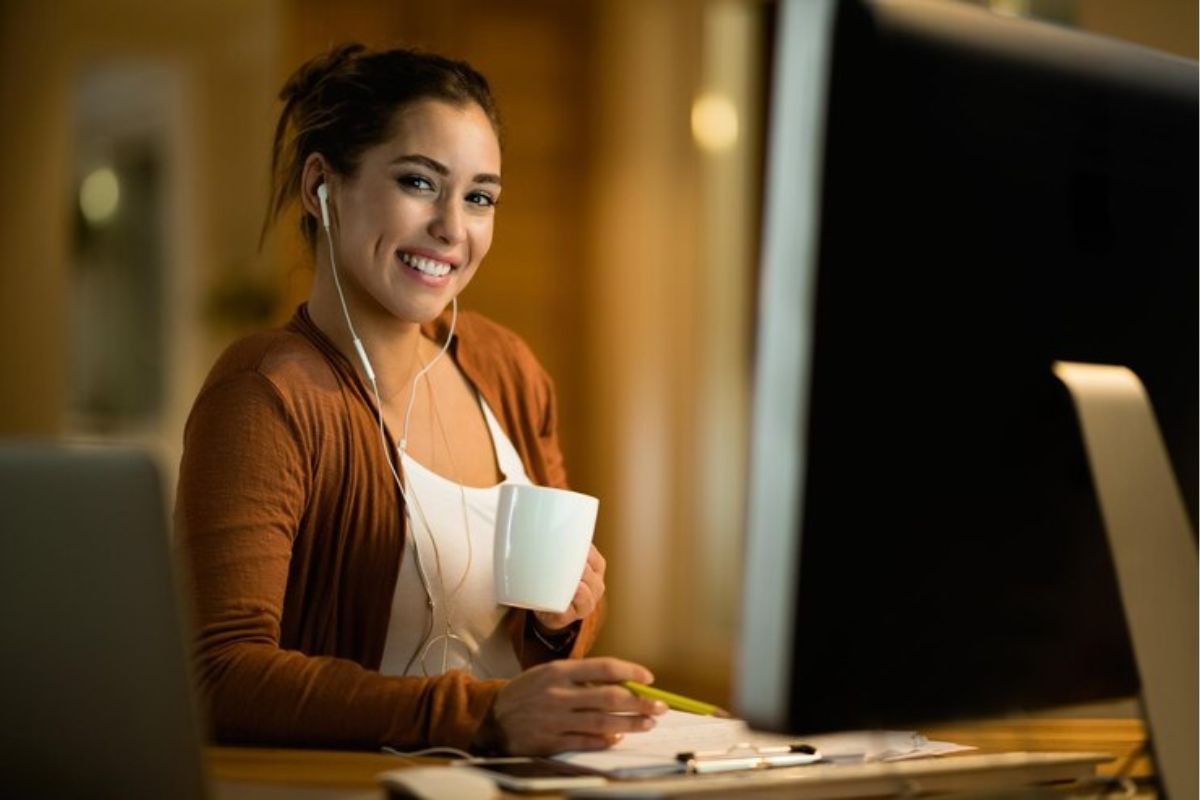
x=292, y=527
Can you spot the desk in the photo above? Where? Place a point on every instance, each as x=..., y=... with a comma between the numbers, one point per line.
x=267, y=773
x=1125, y=739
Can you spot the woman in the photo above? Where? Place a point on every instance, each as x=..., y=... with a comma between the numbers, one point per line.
x=339, y=477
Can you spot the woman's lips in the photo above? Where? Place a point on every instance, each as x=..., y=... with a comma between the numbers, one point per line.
x=426, y=265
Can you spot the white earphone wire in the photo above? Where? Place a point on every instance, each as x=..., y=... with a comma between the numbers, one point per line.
x=427, y=640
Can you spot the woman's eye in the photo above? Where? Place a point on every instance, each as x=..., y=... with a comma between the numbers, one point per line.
x=481, y=199
x=417, y=182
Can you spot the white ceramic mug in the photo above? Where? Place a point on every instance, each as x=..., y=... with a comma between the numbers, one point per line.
x=542, y=540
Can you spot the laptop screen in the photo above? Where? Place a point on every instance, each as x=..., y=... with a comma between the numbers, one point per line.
x=95, y=689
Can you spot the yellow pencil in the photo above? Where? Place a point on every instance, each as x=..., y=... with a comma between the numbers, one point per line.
x=678, y=702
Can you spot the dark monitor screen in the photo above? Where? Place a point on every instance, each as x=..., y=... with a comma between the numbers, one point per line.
x=955, y=200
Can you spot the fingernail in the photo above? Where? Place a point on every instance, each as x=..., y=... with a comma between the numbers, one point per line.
x=647, y=723
x=660, y=707
x=616, y=737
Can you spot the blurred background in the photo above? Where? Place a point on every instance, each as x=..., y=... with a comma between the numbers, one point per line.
x=135, y=151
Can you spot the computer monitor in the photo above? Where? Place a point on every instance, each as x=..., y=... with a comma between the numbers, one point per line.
x=95, y=685
x=954, y=201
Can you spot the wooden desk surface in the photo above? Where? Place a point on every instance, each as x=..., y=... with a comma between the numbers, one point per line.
x=1125, y=739
x=329, y=769
x=316, y=768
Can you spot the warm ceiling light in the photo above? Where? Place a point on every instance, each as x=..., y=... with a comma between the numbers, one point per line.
x=714, y=122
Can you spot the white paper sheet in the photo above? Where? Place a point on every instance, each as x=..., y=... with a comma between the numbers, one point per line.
x=654, y=752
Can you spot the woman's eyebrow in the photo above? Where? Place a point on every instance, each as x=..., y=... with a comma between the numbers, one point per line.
x=442, y=169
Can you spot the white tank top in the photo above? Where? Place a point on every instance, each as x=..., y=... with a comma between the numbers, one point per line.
x=479, y=643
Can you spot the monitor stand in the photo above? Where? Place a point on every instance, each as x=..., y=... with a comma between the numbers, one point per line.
x=1154, y=553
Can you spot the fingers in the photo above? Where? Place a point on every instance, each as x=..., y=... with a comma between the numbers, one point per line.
x=545, y=744
x=599, y=723
x=587, y=593
x=604, y=670
x=584, y=602
x=556, y=621
x=596, y=561
x=612, y=698
x=559, y=706
x=593, y=572
x=590, y=589
x=582, y=741
x=593, y=580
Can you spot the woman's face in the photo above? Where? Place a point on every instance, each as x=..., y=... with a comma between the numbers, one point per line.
x=415, y=219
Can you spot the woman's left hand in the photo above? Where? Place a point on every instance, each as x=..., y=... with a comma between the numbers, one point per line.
x=587, y=595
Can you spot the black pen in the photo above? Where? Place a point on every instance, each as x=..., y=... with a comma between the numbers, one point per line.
x=759, y=758
x=807, y=749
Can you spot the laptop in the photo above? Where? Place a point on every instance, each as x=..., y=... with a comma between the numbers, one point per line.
x=95, y=687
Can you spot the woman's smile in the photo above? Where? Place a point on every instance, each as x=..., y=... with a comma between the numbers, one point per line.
x=421, y=205
x=433, y=267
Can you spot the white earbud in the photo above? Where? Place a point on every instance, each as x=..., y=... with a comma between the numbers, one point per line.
x=323, y=198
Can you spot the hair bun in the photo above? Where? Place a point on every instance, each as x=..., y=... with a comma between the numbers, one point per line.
x=304, y=80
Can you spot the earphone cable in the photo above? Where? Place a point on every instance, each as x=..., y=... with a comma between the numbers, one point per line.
x=462, y=492
x=412, y=396
x=448, y=636
x=370, y=374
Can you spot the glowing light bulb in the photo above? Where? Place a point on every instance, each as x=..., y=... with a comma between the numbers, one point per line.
x=100, y=196
x=714, y=122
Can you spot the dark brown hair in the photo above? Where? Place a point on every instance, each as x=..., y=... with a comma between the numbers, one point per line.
x=344, y=102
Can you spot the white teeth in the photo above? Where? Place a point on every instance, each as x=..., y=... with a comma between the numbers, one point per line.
x=426, y=266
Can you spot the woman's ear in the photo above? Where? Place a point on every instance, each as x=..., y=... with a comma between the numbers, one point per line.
x=316, y=174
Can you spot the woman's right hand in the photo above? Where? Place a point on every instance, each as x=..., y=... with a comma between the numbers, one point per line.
x=571, y=704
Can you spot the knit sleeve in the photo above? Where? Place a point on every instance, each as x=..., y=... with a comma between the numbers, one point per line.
x=546, y=404
x=245, y=483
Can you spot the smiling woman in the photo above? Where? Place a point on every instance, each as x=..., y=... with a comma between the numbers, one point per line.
x=415, y=219
x=340, y=476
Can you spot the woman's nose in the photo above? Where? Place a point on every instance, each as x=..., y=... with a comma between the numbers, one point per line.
x=447, y=223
